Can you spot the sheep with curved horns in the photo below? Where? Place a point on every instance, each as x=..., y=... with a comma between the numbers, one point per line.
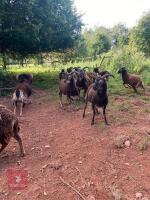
x=9, y=127
x=101, y=73
x=67, y=86
x=83, y=81
x=97, y=95
x=131, y=80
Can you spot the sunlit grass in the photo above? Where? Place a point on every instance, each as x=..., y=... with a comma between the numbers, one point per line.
x=46, y=77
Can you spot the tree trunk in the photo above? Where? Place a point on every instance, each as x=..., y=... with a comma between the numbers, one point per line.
x=4, y=61
x=21, y=62
x=40, y=59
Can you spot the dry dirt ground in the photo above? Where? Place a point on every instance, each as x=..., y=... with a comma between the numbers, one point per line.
x=68, y=159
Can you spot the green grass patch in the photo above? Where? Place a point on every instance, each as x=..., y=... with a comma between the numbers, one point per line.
x=46, y=77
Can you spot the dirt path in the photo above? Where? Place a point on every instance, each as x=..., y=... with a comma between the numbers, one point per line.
x=60, y=144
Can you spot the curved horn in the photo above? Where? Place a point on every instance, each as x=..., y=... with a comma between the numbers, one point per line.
x=107, y=75
x=85, y=68
x=112, y=75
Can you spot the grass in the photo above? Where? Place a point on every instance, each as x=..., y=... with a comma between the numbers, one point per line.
x=46, y=77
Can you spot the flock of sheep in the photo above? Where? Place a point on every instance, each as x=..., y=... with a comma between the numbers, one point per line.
x=71, y=82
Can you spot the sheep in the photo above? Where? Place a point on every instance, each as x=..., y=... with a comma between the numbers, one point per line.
x=97, y=95
x=21, y=94
x=82, y=81
x=24, y=78
x=96, y=71
x=131, y=80
x=9, y=127
x=69, y=70
x=68, y=87
x=62, y=74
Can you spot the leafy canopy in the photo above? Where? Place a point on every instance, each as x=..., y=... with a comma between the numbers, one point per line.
x=35, y=26
x=142, y=34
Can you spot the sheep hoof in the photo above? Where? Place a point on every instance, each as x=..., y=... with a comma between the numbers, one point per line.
x=22, y=155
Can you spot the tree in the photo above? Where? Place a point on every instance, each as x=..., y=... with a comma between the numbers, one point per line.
x=97, y=41
x=142, y=34
x=36, y=26
x=120, y=35
x=80, y=47
x=101, y=44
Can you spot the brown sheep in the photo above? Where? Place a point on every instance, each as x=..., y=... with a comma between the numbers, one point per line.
x=9, y=127
x=97, y=95
x=67, y=86
x=131, y=80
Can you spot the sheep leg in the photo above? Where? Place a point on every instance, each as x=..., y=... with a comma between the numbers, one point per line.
x=97, y=111
x=124, y=84
x=142, y=86
x=84, y=94
x=60, y=97
x=70, y=99
x=94, y=112
x=104, y=114
x=85, y=106
x=78, y=90
x=4, y=144
x=21, y=108
x=15, y=107
x=135, y=89
x=18, y=138
x=129, y=86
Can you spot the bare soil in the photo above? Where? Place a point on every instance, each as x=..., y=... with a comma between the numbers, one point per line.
x=62, y=148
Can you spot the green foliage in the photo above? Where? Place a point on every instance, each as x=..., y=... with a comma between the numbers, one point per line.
x=35, y=26
x=130, y=58
x=142, y=34
x=97, y=41
x=120, y=35
x=80, y=47
x=7, y=79
x=101, y=44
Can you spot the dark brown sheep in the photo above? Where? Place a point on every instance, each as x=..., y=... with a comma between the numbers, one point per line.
x=97, y=95
x=131, y=80
x=9, y=127
x=67, y=86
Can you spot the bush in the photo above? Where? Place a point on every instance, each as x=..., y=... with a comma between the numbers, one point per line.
x=132, y=59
